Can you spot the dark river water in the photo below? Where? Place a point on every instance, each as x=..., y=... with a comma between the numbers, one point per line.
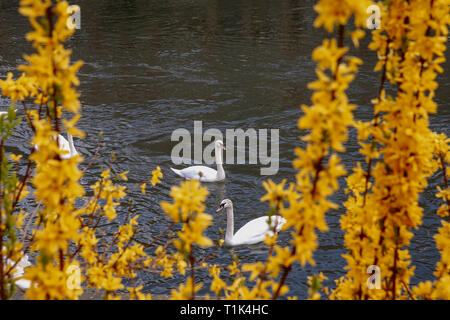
x=151, y=67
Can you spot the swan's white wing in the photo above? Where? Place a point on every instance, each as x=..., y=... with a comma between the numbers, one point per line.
x=201, y=173
x=24, y=262
x=22, y=283
x=19, y=272
x=64, y=145
x=255, y=230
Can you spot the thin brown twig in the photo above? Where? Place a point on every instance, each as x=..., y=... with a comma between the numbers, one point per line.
x=407, y=290
x=94, y=157
x=25, y=231
x=160, y=235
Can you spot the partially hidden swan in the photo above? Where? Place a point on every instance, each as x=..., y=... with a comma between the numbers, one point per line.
x=203, y=173
x=253, y=231
x=65, y=145
x=62, y=143
x=19, y=271
x=6, y=112
x=23, y=263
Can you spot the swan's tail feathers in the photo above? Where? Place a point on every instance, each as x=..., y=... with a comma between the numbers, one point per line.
x=178, y=172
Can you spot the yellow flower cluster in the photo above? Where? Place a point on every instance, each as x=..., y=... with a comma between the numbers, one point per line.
x=327, y=120
x=188, y=208
x=12, y=190
x=383, y=205
x=332, y=12
x=105, y=268
x=19, y=89
x=318, y=164
x=50, y=67
x=50, y=75
x=156, y=175
x=169, y=263
x=105, y=189
x=186, y=291
x=440, y=288
x=442, y=154
x=154, y=180
x=50, y=79
x=315, y=286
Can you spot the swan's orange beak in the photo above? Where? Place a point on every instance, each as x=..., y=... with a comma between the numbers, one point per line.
x=223, y=147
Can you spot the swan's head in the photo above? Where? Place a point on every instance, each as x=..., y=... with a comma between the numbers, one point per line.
x=219, y=144
x=225, y=204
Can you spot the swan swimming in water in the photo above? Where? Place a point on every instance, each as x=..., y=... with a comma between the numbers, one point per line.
x=253, y=231
x=23, y=263
x=6, y=112
x=203, y=173
x=19, y=271
x=62, y=143
x=65, y=145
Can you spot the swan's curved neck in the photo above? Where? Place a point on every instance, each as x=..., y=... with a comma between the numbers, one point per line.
x=230, y=225
x=218, y=152
x=71, y=145
x=219, y=162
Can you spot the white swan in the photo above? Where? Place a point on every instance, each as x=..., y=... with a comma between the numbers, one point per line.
x=6, y=112
x=19, y=272
x=203, y=173
x=65, y=145
x=23, y=263
x=253, y=231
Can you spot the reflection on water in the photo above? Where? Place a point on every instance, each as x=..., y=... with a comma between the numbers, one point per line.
x=151, y=67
